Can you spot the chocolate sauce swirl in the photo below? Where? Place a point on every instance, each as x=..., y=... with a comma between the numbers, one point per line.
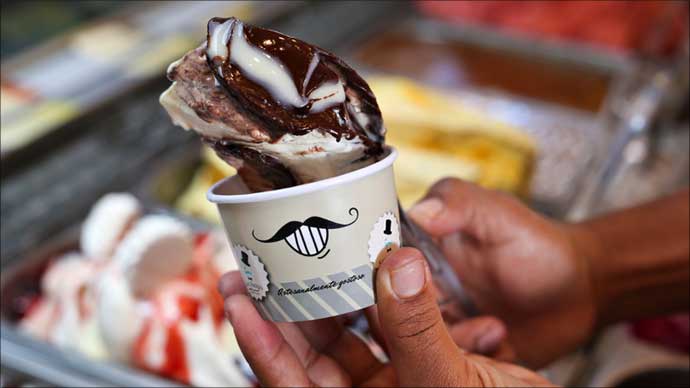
x=315, y=74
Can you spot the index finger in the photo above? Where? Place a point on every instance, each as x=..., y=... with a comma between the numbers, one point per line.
x=272, y=359
x=452, y=205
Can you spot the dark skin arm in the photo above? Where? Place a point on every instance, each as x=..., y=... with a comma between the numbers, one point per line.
x=639, y=258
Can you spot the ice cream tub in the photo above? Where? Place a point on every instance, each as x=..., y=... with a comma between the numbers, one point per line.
x=309, y=251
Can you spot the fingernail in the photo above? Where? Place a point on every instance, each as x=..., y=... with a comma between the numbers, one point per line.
x=426, y=210
x=408, y=279
x=490, y=340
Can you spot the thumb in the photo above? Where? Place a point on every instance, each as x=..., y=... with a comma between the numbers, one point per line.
x=420, y=348
x=449, y=206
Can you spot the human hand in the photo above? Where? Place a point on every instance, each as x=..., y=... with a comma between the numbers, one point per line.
x=324, y=353
x=529, y=271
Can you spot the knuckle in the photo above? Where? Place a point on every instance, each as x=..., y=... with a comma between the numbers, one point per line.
x=419, y=323
x=450, y=189
x=333, y=343
x=272, y=355
x=310, y=357
x=477, y=372
x=415, y=325
x=446, y=184
x=485, y=378
x=504, y=197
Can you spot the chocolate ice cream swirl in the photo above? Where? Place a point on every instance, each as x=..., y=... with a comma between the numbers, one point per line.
x=290, y=85
x=280, y=110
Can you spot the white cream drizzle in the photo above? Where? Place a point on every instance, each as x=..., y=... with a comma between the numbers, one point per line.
x=326, y=95
x=315, y=59
x=263, y=69
x=218, y=41
x=269, y=72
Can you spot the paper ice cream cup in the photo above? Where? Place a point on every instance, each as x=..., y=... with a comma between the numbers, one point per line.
x=309, y=252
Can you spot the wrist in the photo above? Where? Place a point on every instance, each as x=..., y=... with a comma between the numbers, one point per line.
x=589, y=252
x=638, y=259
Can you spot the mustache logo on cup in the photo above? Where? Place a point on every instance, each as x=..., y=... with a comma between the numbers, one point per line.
x=308, y=238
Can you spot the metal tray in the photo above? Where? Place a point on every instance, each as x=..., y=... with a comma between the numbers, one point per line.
x=119, y=78
x=575, y=144
x=571, y=142
x=462, y=55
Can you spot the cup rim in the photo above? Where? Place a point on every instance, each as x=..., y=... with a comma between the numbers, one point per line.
x=303, y=188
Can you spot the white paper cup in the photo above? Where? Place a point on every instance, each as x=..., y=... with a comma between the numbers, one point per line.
x=308, y=252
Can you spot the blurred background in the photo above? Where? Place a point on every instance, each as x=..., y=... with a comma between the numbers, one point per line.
x=576, y=107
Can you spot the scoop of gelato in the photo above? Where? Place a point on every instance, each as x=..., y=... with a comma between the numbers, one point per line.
x=281, y=111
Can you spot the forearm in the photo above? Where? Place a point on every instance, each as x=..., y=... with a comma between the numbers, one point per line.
x=639, y=259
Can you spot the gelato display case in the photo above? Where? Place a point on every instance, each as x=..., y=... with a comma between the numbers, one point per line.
x=507, y=102
x=77, y=293
x=97, y=52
